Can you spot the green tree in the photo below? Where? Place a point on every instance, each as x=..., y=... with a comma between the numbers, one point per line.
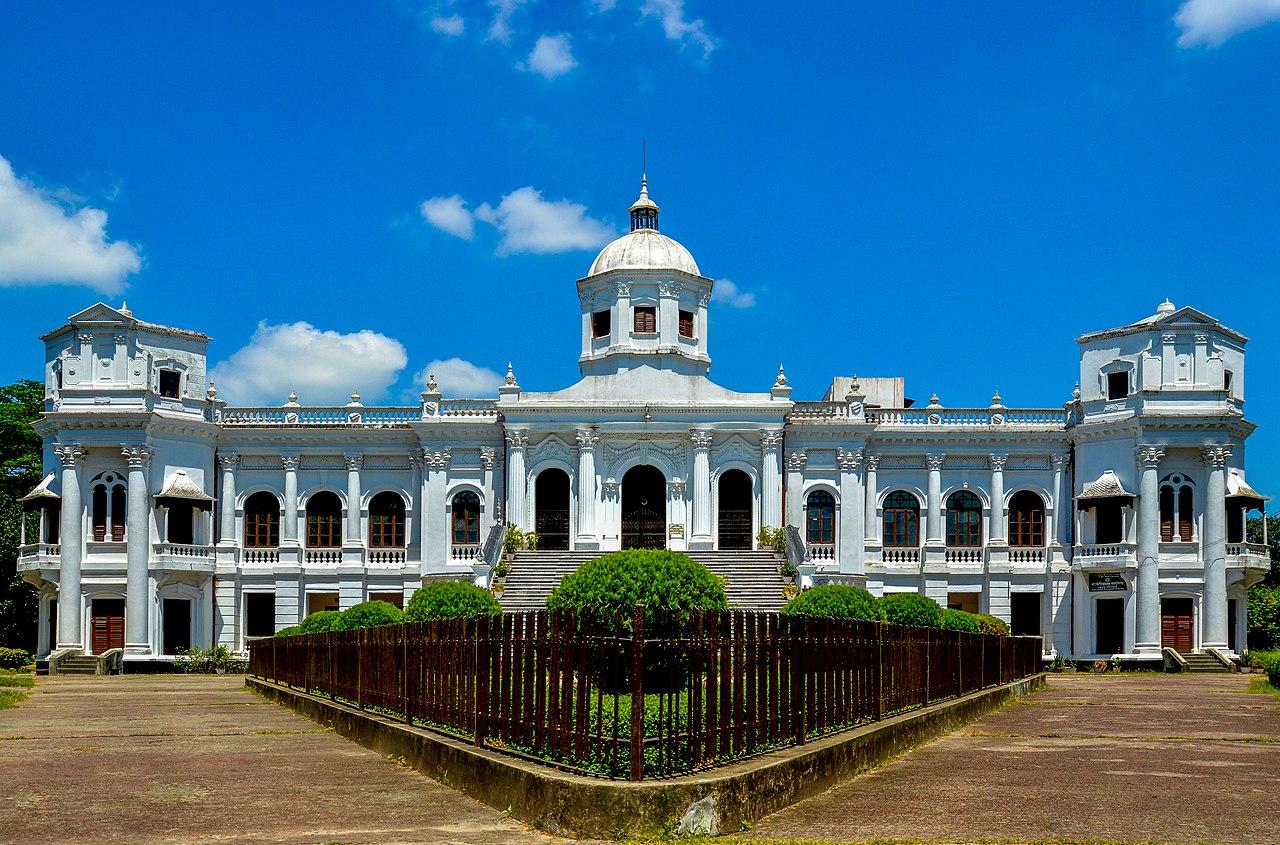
x=1253, y=533
x=21, y=404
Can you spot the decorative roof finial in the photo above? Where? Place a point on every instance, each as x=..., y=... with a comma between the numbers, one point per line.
x=511, y=374
x=995, y=399
x=355, y=398
x=933, y=401
x=1166, y=307
x=292, y=401
x=644, y=211
x=1075, y=394
x=212, y=392
x=431, y=382
x=124, y=309
x=782, y=377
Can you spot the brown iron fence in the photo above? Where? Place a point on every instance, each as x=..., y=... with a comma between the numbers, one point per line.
x=646, y=695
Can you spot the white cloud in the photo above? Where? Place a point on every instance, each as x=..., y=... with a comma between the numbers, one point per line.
x=676, y=26
x=1212, y=22
x=453, y=25
x=47, y=236
x=459, y=379
x=551, y=56
x=727, y=292
x=500, y=27
x=528, y=223
x=450, y=214
x=322, y=366
x=604, y=5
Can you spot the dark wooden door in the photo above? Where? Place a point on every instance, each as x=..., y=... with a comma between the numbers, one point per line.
x=1109, y=626
x=177, y=625
x=734, y=517
x=107, y=628
x=551, y=509
x=1176, y=631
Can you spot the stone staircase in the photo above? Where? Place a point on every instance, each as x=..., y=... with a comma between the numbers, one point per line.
x=752, y=581
x=78, y=664
x=1203, y=663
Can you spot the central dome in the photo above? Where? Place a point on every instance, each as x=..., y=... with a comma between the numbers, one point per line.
x=644, y=249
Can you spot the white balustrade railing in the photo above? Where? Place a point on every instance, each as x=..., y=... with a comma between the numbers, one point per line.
x=819, y=410
x=468, y=408
x=40, y=550
x=1090, y=550
x=329, y=416
x=1025, y=555
x=322, y=557
x=1256, y=549
x=968, y=417
x=386, y=557
x=956, y=554
x=822, y=551
x=464, y=552
x=900, y=554
x=260, y=556
x=184, y=550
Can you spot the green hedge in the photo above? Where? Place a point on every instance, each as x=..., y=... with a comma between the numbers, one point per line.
x=992, y=625
x=837, y=601
x=14, y=658
x=368, y=614
x=911, y=609
x=1264, y=616
x=661, y=580
x=450, y=600
x=291, y=631
x=321, y=620
x=959, y=620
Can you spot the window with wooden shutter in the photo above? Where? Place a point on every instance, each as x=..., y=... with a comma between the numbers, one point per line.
x=1166, y=515
x=646, y=319
x=686, y=324
x=1186, y=519
x=600, y=324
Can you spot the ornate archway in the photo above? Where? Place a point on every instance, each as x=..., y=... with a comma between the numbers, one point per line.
x=644, y=508
x=733, y=514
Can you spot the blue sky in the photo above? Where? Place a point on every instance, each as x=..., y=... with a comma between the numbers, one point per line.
x=946, y=192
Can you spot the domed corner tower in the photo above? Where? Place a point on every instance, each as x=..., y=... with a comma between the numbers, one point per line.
x=644, y=302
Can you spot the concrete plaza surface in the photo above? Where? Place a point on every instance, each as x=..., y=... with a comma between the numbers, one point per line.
x=191, y=759
x=1134, y=758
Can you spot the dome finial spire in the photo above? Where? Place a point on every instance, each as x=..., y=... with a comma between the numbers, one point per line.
x=644, y=211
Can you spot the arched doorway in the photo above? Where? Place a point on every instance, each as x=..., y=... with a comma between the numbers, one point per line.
x=551, y=509
x=733, y=519
x=644, y=508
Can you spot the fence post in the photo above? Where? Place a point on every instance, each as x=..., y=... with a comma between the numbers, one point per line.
x=637, y=692
x=360, y=668
x=333, y=677
x=404, y=673
x=928, y=664
x=879, y=629
x=481, y=700
x=275, y=677
x=798, y=625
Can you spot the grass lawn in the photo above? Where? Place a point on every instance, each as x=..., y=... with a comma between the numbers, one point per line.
x=14, y=686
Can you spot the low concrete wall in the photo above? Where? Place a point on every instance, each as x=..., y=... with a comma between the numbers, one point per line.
x=574, y=805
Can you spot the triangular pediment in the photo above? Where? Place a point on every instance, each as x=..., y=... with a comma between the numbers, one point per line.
x=100, y=313
x=1187, y=314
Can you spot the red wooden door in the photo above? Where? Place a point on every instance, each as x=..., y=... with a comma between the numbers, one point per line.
x=107, y=629
x=1176, y=625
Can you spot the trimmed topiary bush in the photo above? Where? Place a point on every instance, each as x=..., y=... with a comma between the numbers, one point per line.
x=450, y=600
x=911, y=609
x=14, y=658
x=838, y=601
x=321, y=620
x=992, y=625
x=368, y=614
x=959, y=620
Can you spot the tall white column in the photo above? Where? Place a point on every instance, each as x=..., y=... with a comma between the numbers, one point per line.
x=488, y=457
x=1215, y=548
x=227, y=524
x=1058, y=510
x=587, y=489
x=796, y=461
x=137, y=634
x=517, y=481
x=996, y=535
x=871, y=526
x=289, y=523
x=850, y=547
x=771, y=477
x=352, y=535
x=701, y=485
x=933, y=519
x=1147, y=628
x=71, y=533
x=436, y=540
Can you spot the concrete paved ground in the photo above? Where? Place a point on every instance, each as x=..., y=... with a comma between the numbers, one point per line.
x=200, y=759
x=1136, y=758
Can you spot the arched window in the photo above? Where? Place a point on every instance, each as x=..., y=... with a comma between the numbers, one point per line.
x=324, y=521
x=386, y=521
x=1177, y=509
x=466, y=519
x=964, y=519
x=901, y=519
x=108, y=508
x=820, y=518
x=261, y=521
x=1026, y=519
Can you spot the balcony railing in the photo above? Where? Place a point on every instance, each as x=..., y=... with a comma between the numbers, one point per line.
x=38, y=555
x=260, y=556
x=959, y=554
x=900, y=554
x=398, y=417
x=464, y=553
x=1026, y=555
x=1253, y=553
x=182, y=556
x=1105, y=554
x=822, y=552
x=322, y=557
x=386, y=557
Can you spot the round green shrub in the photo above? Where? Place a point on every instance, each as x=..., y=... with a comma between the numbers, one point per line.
x=450, y=600
x=291, y=631
x=959, y=620
x=321, y=620
x=368, y=614
x=838, y=601
x=911, y=609
x=14, y=658
x=992, y=625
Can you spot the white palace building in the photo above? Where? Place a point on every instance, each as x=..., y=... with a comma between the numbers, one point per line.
x=1113, y=525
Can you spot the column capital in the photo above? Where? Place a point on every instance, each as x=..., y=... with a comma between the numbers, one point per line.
x=872, y=459
x=701, y=438
x=622, y=288
x=415, y=459
x=668, y=289
x=517, y=438
x=675, y=488
x=796, y=460
x=437, y=458
x=997, y=462
x=1215, y=457
x=770, y=438
x=848, y=459
x=136, y=457
x=487, y=456
x=353, y=461
x=587, y=438
x=69, y=454
x=1059, y=461
x=934, y=461
x=228, y=460
x=290, y=461
x=1149, y=455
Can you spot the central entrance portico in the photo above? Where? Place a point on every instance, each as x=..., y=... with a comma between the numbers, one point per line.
x=644, y=504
